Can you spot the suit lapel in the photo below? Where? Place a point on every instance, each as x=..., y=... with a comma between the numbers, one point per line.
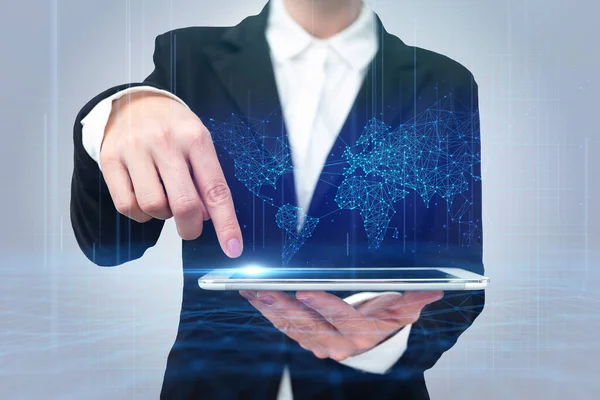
x=242, y=62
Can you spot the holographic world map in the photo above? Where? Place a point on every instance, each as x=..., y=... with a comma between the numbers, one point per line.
x=433, y=154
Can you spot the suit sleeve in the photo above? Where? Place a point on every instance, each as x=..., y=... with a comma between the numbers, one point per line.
x=106, y=237
x=442, y=322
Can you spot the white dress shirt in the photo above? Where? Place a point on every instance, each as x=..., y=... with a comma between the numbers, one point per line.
x=317, y=81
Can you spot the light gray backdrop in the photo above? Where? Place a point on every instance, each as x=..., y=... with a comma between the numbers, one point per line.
x=69, y=329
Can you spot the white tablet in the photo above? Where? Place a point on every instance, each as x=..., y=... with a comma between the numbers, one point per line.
x=343, y=279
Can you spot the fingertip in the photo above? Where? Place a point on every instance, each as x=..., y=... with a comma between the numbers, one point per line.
x=247, y=294
x=434, y=296
x=234, y=248
x=303, y=297
x=305, y=293
x=426, y=295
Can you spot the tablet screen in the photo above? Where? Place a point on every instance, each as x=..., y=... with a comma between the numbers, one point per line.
x=362, y=274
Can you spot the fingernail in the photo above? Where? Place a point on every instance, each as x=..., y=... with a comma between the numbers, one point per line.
x=304, y=300
x=268, y=300
x=235, y=248
x=247, y=295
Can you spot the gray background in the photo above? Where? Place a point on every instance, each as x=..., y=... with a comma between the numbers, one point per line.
x=69, y=329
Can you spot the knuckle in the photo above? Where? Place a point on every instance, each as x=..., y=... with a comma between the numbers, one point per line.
x=411, y=316
x=108, y=157
x=217, y=193
x=362, y=344
x=229, y=224
x=128, y=139
x=152, y=204
x=141, y=218
x=414, y=316
x=162, y=136
x=284, y=326
x=186, y=206
x=304, y=345
x=159, y=143
x=130, y=209
x=339, y=355
x=339, y=316
x=308, y=327
x=197, y=135
x=125, y=206
x=186, y=234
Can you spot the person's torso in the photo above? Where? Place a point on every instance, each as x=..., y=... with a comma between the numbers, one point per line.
x=399, y=187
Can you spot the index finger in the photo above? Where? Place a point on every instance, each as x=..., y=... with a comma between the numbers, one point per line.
x=216, y=195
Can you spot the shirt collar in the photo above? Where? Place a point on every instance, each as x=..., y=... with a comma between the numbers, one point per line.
x=357, y=44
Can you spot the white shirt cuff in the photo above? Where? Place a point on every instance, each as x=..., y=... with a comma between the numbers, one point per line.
x=94, y=124
x=382, y=357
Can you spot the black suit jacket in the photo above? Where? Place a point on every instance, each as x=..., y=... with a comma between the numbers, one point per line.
x=401, y=187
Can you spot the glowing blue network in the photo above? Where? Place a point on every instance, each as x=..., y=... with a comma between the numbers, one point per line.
x=295, y=235
x=375, y=200
x=433, y=154
x=255, y=164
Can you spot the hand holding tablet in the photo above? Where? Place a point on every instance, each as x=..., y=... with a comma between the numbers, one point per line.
x=329, y=327
x=325, y=324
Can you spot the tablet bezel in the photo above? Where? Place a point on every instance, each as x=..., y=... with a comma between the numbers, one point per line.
x=465, y=280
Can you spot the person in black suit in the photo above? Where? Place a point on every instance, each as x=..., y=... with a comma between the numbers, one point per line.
x=212, y=138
